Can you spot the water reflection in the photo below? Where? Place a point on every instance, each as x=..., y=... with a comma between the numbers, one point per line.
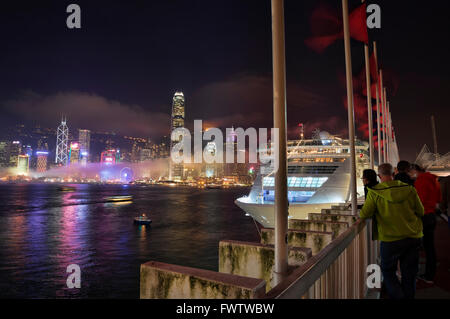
x=55, y=229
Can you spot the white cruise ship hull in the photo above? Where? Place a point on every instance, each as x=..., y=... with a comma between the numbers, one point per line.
x=318, y=177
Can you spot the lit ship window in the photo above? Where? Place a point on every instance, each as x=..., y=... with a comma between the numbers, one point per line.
x=326, y=170
x=305, y=182
x=293, y=196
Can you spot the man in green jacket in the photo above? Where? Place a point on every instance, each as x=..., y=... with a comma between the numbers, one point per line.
x=398, y=212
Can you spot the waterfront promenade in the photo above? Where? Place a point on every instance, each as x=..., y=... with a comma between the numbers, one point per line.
x=333, y=271
x=441, y=287
x=328, y=255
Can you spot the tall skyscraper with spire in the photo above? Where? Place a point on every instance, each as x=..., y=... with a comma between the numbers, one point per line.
x=84, y=139
x=178, y=116
x=62, y=143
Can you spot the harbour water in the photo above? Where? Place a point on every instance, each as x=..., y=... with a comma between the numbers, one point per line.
x=44, y=228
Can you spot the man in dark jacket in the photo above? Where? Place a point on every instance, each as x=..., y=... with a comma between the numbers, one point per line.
x=403, y=170
x=429, y=191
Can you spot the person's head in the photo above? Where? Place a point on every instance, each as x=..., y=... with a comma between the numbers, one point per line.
x=415, y=171
x=403, y=167
x=369, y=177
x=386, y=171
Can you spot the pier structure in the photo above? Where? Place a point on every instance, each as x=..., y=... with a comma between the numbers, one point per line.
x=328, y=255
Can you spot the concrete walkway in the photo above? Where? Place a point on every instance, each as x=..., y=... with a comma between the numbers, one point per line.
x=441, y=287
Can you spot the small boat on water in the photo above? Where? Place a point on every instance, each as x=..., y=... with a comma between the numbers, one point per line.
x=119, y=198
x=142, y=220
x=213, y=186
x=67, y=189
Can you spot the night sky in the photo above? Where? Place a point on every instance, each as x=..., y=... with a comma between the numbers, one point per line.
x=120, y=71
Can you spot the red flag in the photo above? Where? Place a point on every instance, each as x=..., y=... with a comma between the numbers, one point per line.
x=358, y=24
x=373, y=68
x=327, y=27
x=319, y=44
x=373, y=90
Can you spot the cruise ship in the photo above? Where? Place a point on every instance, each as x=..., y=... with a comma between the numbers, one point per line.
x=318, y=177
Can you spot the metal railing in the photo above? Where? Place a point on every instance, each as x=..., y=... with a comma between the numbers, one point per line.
x=337, y=272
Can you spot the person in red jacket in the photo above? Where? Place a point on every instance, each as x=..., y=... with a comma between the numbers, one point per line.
x=429, y=192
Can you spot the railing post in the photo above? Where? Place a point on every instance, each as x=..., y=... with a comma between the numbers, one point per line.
x=357, y=270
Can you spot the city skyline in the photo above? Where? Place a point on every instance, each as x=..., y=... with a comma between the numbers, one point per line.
x=229, y=150
x=225, y=69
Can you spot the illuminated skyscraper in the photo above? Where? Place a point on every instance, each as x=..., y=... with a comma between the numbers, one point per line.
x=27, y=150
x=41, y=165
x=145, y=155
x=135, y=152
x=15, y=148
x=4, y=154
x=234, y=170
x=178, y=105
x=23, y=164
x=74, y=155
x=109, y=157
x=62, y=143
x=84, y=139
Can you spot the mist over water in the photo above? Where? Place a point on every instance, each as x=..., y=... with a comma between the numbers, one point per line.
x=43, y=230
x=148, y=169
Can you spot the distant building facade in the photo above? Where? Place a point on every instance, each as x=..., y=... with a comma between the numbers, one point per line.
x=84, y=139
x=74, y=154
x=62, y=144
x=109, y=157
x=23, y=164
x=42, y=161
x=9, y=153
x=4, y=154
x=15, y=149
x=238, y=172
x=178, y=117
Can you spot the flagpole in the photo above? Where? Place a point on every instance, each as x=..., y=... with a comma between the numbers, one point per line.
x=351, y=113
x=279, y=117
x=369, y=104
x=388, y=126
x=378, y=102
x=396, y=146
x=385, y=124
x=391, y=145
x=382, y=115
x=390, y=135
x=378, y=126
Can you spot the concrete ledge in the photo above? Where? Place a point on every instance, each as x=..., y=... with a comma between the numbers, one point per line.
x=337, y=211
x=165, y=281
x=341, y=207
x=337, y=228
x=255, y=260
x=350, y=219
x=315, y=240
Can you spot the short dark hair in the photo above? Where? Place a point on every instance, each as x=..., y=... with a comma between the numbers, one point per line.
x=370, y=175
x=403, y=167
x=418, y=168
x=385, y=169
